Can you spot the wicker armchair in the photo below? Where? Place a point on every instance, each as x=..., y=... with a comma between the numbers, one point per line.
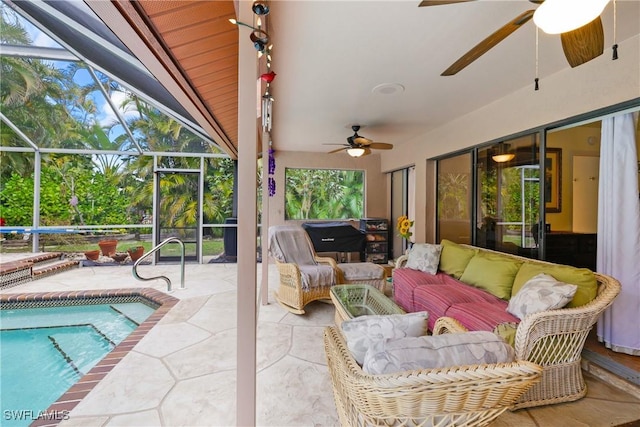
x=294, y=256
x=553, y=339
x=465, y=395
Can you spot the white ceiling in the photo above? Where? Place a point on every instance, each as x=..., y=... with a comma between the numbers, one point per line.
x=329, y=55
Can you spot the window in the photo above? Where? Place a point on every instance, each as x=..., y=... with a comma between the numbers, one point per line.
x=324, y=194
x=454, y=199
x=509, y=192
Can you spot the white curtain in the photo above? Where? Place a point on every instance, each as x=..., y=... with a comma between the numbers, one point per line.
x=619, y=232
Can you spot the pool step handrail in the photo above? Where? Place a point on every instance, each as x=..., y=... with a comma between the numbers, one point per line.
x=134, y=270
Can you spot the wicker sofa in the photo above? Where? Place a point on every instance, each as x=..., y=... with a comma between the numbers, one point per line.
x=553, y=338
x=472, y=395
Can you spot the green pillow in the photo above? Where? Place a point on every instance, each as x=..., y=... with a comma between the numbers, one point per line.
x=507, y=331
x=454, y=258
x=492, y=272
x=582, y=277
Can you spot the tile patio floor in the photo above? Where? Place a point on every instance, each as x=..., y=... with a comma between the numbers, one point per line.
x=182, y=373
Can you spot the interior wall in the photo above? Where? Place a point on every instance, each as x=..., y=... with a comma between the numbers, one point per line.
x=375, y=181
x=577, y=141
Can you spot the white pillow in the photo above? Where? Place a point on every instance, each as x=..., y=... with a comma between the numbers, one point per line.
x=424, y=257
x=540, y=293
x=360, y=332
x=438, y=351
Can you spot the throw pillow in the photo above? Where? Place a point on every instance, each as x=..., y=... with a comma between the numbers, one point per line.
x=454, y=258
x=540, y=293
x=492, y=272
x=424, y=257
x=438, y=351
x=582, y=277
x=360, y=332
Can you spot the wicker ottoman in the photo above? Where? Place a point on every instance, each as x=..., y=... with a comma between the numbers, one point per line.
x=358, y=300
x=362, y=273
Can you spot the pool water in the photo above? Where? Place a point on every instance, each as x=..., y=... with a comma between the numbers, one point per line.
x=44, y=351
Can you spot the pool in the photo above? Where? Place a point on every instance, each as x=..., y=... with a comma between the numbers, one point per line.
x=48, y=345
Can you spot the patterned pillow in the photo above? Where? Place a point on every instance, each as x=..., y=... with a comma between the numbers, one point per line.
x=542, y=292
x=424, y=257
x=438, y=351
x=360, y=332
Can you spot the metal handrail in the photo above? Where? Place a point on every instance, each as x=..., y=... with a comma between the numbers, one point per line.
x=134, y=270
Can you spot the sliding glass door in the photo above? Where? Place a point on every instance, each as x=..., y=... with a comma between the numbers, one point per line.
x=508, y=188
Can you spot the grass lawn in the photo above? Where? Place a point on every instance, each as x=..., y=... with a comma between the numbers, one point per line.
x=210, y=247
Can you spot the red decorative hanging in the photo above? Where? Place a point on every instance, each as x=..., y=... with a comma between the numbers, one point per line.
x=268, y=77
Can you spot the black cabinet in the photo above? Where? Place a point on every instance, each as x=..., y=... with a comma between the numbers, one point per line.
x=576, y=249
x=376, y=248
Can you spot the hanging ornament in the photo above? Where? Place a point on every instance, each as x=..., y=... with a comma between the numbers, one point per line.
x=267, y=109
x=268, y=77
x=272, y=187
x=271, y=170
x=272, y=162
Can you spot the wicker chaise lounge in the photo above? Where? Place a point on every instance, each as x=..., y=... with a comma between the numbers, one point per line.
x=457, y=396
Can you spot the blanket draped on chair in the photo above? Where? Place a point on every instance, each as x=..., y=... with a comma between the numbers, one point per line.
x=291, y=244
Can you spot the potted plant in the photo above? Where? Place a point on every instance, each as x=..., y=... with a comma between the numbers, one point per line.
x=92, y=255
x=135, y=252
x=108, y=246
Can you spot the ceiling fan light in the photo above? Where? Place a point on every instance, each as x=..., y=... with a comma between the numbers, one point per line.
x=355, y=152
x=562, y=16
x=502, y=158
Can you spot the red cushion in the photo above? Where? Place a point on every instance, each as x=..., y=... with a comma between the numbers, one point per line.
x=481, y=315
x=437, y=299
x=406, y=280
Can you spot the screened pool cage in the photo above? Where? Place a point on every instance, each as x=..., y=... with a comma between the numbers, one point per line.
x=93, y=147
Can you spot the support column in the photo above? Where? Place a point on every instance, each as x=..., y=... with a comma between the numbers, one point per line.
x=247, y=225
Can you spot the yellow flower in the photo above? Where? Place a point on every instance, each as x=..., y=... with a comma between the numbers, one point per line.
x=403, y=225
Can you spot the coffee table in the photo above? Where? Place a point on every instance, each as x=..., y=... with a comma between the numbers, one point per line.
x=359, y=300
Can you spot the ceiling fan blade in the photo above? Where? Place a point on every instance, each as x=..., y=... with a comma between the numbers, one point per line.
x=367, y=151
x=380, y=146
x=481, y=48
x=424, y=3
x=583, y=44
x=337, y=150
x=361, y=140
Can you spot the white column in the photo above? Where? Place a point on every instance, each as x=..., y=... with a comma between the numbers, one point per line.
x=247, y=220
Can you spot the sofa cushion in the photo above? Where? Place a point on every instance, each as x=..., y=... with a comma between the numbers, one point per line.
x=406, y=280
x=542, y=292
x=437, y=299
x=440, y=351
x=492, y=272
x=360, y=332
x=481, y=315
x=581, y=277
x=454, y=258
x=507, y=331
x=424, y=257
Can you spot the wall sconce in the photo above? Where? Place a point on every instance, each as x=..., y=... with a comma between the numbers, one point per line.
x=355, y=152
x=260, y=8
x=503, y=154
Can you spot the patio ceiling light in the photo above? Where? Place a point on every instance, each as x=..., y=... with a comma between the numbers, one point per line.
x=355, y=152
x=562, y=16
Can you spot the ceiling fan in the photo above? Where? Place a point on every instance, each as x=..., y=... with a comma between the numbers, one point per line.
x=358, y=146
x=580, y=45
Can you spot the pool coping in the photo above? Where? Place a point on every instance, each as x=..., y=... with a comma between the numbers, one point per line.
x=59, y=410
